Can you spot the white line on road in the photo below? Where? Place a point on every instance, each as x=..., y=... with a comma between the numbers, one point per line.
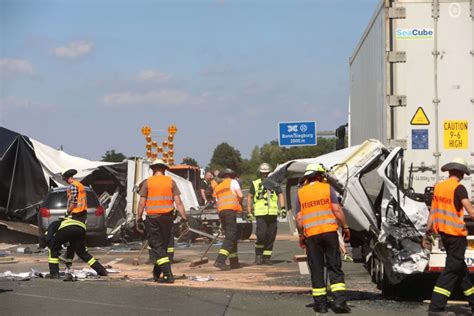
x=89, y=302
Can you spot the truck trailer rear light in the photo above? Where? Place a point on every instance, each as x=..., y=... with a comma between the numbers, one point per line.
x=99, y=211
x=44, y=212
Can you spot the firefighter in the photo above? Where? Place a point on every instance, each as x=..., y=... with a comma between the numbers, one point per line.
x=158, y=196
x=265, y=210
x=70, y=231
x=450, y=199
x=318, y=215
x=229, y=203
x=76, y=197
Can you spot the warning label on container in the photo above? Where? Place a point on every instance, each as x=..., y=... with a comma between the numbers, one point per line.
x=456, y=134
x=420, y=118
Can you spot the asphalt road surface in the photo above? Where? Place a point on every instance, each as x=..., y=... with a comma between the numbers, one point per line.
x=280, y=290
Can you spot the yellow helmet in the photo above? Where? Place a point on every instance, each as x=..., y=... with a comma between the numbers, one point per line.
x=314, y=167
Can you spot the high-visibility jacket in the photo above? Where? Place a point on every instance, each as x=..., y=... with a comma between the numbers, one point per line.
x=71, y=222
x=265, y=202
x=160, y=198
x=316, y=212
x=446, y=218
x=81, y=205
x=226, y=199
x=213, y=184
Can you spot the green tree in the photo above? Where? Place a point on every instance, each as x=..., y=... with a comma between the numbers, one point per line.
x=190, y=161
x=226, y=156
x=113, y=156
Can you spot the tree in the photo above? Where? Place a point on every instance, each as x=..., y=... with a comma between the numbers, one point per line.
x=112, y=156
x=190, y=161
x=226, y=156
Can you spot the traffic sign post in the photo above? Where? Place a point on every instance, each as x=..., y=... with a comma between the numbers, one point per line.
x=297, y=134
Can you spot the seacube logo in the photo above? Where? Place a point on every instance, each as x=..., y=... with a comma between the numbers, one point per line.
x=414, y=33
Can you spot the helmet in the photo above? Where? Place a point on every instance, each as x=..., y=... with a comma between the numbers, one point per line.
x=227, y=172
x=314, y=167
x=69, y=173
x=264, y=168
x=459, y=164
x=159, y=163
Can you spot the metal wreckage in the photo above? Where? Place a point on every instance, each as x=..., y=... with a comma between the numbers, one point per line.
x=387, y=217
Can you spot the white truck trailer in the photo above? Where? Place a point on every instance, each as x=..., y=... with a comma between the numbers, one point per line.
x=412, y=85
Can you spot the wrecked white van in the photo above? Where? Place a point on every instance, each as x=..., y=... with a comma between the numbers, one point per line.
x=386, y=216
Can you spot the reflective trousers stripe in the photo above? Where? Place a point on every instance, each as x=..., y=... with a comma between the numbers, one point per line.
x=162, y=261
x=258, y=246
x=233, y=255
x=53, y=260
x=441, y=291
x=469, y=292
x=92, y=261
x=267, y=252
x=170, y=249
x=224, y=252
x=338, y=287
x=319, y=291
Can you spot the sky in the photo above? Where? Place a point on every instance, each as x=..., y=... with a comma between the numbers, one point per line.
x=87, y=75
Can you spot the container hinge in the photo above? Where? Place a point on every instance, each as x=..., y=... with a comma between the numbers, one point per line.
x=397, y=13
x=435, y=9
x=472, y=100
x=397, y=57
x=471, y=6
x=397, y=100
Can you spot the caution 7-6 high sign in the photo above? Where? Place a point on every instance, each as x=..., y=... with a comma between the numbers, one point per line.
x=297, y=133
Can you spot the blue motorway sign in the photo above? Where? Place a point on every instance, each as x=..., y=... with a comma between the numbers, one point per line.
x=297, y=133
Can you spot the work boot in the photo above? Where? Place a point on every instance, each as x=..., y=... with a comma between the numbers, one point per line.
x=156, y=273
x=341, y=308
x=53, y=276
x=258, y=260
x=266, y=261
x=167, y=278
x=234, y=263
x=99, y=269
x=221, y=266
x=320, y=308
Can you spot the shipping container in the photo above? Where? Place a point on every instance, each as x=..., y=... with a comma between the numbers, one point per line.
x=412, y=85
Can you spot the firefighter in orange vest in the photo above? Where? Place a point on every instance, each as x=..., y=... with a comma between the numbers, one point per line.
x=158, y=196
x=76, y=197
x=318, y=214
x=229, y=203
x=450, y=199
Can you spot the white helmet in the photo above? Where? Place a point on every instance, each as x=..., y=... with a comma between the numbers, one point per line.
x=264, y=168
x=159, y=162
x=459, y=164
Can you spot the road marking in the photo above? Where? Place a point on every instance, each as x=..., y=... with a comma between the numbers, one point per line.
x=116, y=260
x=89, y=302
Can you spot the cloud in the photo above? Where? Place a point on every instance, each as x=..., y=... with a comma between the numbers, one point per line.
x=160, y=98
x=10, y=67
x=153, y=76
x=22, y=103
x=74, y=50
x=217, y=70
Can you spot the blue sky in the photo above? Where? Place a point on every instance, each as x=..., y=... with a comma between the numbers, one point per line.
x=89, y=74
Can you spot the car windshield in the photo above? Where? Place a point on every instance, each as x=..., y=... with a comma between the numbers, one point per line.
x=58, y=200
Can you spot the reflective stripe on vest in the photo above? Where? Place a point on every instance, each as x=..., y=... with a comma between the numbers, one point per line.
x=262, y=203
x=316, y=209
x=446, y=219
x=160, y=195
x=81, y=197
x=71, y=222
x=226, y=199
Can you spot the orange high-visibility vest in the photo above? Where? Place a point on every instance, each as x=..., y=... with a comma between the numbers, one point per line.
x=160, y=198
x=81, y=205
x=226, y=199
x=316, y=213
x=446, y=219
x=213, y=184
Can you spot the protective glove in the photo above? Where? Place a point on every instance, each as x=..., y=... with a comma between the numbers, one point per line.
x=283, y=213
x=140, y=226
x=250, y=217
x=302, y=242
x=427, y=241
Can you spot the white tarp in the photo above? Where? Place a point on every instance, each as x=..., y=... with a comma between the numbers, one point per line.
x=54, y=162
